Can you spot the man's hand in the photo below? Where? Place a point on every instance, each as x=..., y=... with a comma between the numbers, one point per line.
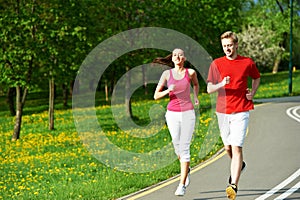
x=249, y=94
x=226, y=80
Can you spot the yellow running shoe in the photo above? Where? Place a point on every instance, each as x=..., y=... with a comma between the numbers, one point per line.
x=231, y=191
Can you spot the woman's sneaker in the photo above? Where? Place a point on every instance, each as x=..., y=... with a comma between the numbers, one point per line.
x=180, y=191
x=187, y=181
x=231, y=191
x=243, y=168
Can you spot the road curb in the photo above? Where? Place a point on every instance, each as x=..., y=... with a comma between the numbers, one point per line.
x=279, y=99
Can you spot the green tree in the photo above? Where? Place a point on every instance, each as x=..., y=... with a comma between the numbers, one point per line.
x=20, y=42
x=49, y=40
x=273, y=19
x=256, y=42
x=41, y=41
x=65, y=45
x=192, y=18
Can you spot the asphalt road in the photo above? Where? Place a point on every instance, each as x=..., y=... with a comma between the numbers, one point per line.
x=272, y=154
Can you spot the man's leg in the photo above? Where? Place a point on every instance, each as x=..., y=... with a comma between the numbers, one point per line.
x=238, y=126
x=228, y=149
x=238, y=129
x=236, y=164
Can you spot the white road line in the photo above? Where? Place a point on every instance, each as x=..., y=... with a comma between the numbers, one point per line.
x=289, y=192
x=280, y=186
x=292, y=113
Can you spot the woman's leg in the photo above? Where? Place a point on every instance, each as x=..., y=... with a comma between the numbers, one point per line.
x=187, y=130
x=173, y=123
x=184, y=170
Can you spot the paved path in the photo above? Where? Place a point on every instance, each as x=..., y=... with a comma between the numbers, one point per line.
x=272, y=154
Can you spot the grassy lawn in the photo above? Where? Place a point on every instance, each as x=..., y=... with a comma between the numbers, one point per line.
x=55, y=164
x=276, y=85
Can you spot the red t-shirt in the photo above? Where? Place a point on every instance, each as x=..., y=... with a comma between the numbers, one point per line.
x=232, y=97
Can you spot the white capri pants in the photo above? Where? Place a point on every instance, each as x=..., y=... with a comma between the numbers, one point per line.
x=181, y=127
x=233, y=127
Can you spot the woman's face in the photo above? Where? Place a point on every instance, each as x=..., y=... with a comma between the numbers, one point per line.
x=178, y=57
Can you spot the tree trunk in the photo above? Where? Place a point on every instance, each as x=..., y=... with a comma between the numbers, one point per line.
x=127, y=94
x=276, y=63
x=145, y=81
x=112, y=81
x=65, y=95
x=275, y=67
x=51, y=103
x=10, y=100
x=106, y=91
x=74, y=87
x=20, y=101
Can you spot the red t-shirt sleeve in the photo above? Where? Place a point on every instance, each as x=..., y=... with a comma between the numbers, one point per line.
x=254, y=73
x=213, y=74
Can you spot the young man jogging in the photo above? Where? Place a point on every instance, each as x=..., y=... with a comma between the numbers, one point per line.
x=228, y=75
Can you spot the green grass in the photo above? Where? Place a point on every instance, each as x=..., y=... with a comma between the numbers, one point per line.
x=55, y=164
x=276, y=85
x=47, y=164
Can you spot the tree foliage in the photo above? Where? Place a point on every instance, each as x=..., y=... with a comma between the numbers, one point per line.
x=20, y=55
x=271, y=20
x=256, y=42
x=48, y=40
x=34, y=35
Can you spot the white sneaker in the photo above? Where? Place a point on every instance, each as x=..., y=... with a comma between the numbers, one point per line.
x=187, y=181
x=180, y=191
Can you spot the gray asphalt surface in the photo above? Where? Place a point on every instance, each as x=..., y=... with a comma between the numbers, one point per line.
x=272, y=154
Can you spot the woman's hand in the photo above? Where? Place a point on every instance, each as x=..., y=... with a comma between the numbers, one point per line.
x=171, y=88
x=196, y=101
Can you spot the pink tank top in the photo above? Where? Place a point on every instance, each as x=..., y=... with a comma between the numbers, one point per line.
x=180, y=99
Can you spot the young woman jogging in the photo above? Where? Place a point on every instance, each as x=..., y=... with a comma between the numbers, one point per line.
x=180, y=115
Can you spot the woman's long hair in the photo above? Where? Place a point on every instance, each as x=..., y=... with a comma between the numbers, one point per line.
x=165, y=61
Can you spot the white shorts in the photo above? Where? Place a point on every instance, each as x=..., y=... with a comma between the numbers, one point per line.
x=233, y=127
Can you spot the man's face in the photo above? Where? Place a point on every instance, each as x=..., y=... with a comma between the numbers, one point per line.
x=229, y=47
